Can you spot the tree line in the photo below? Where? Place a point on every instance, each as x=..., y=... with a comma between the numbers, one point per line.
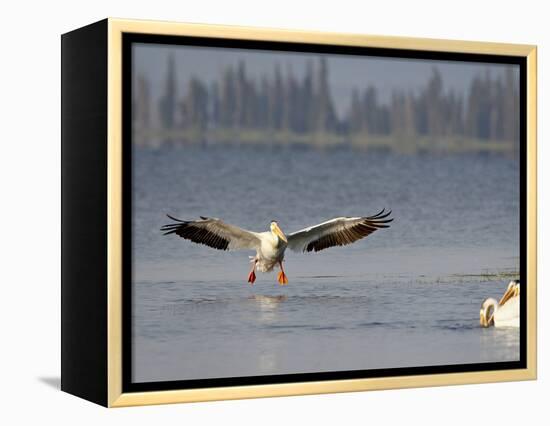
x=283, y=102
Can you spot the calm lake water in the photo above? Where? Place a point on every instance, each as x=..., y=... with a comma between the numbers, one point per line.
x=405, y=296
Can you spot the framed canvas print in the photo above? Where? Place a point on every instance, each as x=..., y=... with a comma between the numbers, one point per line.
x=254, y=212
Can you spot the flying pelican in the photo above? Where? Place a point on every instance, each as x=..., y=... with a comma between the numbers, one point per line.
x=504, y=313
x=270, y=246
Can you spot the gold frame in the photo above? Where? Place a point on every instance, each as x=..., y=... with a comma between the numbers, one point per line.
x=116, y=27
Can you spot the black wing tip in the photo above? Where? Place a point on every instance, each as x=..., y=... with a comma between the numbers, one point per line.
x=178, y=223
x=380, y=212
x=188, y=230
x=380, y=219
x=184, y=221
x=172, y=228
x=380, y=215
x=175, y=219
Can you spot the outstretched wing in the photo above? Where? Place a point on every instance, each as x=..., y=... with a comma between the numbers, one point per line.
x=213, y=233
x=337, y=232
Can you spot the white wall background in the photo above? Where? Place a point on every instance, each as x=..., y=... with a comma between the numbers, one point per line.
x=30, y=200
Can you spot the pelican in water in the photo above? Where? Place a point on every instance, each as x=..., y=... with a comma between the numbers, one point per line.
x=270, y=246
x=504, y=313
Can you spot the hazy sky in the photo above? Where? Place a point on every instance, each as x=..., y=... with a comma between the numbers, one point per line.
x=345, y=71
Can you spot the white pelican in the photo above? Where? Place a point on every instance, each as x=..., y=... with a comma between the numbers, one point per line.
x=270, y=246
x=504, y=313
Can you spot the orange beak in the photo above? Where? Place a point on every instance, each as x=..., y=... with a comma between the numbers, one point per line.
x=511, y=291
x=279, y=233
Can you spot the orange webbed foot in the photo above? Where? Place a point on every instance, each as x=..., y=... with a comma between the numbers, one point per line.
x=282, y=278
x=252, y=277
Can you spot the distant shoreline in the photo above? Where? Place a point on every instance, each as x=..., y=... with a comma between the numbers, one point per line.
x=403, y=144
